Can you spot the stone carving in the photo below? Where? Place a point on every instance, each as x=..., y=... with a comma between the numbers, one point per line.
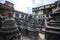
x=53, y=28
x=9, y=30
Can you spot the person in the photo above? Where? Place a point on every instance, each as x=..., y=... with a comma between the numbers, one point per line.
x=35, y=19
x=45, y=21
x=30, y=21
x=30, y=17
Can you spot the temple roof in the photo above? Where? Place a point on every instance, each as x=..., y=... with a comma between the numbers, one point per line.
x=5, y=6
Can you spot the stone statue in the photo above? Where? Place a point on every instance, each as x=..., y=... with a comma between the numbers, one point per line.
x=9, y=29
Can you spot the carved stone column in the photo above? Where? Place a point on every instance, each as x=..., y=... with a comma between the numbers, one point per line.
x=53, y=28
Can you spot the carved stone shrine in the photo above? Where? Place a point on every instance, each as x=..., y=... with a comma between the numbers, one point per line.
x=53, y=28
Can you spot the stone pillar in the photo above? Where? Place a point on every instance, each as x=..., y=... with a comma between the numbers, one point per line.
x=53, y=28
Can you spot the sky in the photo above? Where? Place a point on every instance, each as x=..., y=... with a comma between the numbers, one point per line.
x=27, y=5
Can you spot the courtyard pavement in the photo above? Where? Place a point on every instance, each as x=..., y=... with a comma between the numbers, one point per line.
x=41, y=37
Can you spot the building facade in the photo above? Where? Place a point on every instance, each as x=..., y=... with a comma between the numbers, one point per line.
x=44, y=10
x=6, y=8
x=19, y=14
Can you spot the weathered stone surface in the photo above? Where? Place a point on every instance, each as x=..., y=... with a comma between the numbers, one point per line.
x=9, y=30
x=53, y=28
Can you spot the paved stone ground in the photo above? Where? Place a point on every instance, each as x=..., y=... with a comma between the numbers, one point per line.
x=41, y=37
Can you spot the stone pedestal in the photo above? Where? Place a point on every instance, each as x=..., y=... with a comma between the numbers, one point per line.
x=50, y=36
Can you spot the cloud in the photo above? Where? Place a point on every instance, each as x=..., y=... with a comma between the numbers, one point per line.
x=29, y=10
x=23, y=4
x=48, y=1
x=33, y=1
x=37, y=3
x=42, y=2
x=2, y=1
x=27, y=5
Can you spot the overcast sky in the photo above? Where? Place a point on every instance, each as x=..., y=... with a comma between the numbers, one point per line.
x=27, y=5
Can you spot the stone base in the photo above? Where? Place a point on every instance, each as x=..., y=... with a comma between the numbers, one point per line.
x=50, y=36
x=10, y=37
x=33, y=35
x=24, y=31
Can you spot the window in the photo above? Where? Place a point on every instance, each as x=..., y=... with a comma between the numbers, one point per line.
x=17, y=15
x=48, y=11
x=1, y=12
x=36, y=13
x=22, y=16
